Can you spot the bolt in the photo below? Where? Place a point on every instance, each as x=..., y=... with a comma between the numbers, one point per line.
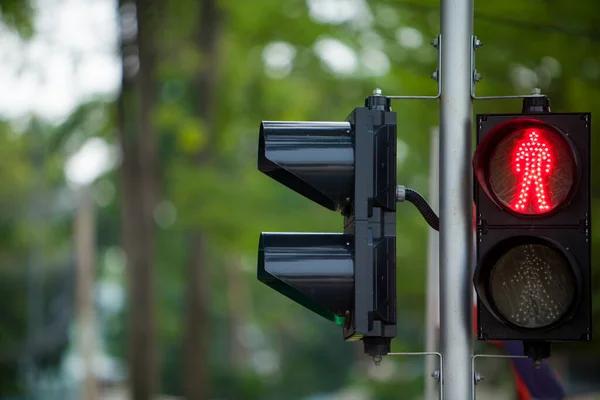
x=377, y=360
x=434, y=76
x=477, y=43
x=478, y=377
x=536, y=91
x=477, y=76
x=436, y=374
x=435, y=42
x=377, y=92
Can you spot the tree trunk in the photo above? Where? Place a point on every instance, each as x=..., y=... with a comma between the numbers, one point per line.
x=136, y=103
x=196, y=357
x=195, y=378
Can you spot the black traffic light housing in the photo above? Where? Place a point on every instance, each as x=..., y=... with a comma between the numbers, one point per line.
x=350, y=167
x=538, y=232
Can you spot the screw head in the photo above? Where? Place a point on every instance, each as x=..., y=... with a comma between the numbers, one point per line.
x=436, y=375
x=478, y=377
x=477, y=76
x=377, y=92
x=435, y=42
x=477, y=43
x=435, y=76
x=377, y=360
x=536, y=91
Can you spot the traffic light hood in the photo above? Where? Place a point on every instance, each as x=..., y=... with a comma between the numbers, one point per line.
x=315, y=159
x=316, y=270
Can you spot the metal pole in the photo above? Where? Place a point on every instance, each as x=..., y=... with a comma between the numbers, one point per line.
x=456, y=247
x=433, y=258
x=85, y=248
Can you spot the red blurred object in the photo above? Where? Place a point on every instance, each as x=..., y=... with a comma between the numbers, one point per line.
x=526, y=166
x=520, y=386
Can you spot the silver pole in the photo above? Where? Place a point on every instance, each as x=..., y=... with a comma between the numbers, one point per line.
x=85, y=248
x=456, y=247
x=433, y=258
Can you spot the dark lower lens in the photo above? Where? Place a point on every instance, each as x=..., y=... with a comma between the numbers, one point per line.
x=532, y=285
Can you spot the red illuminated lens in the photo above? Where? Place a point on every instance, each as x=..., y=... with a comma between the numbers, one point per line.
x=531, y=170
x=532, y=164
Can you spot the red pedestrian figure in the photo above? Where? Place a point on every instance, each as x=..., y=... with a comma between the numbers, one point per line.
x=532, y=164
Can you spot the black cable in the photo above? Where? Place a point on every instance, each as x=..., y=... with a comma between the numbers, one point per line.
x=419, y=201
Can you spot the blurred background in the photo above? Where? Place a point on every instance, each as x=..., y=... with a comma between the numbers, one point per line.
x=130, y=201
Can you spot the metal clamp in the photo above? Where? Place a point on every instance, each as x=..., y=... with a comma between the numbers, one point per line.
x=437, y=75
x=437, y=375
x=476, y=77
x=476, y=376
x=400, y=193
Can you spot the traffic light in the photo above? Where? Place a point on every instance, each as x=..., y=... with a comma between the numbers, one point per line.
x=533, y=227
x=348, y=167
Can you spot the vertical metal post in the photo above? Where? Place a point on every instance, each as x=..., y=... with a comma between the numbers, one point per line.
x=85, y=248
x=456, y=247
x=433, y=283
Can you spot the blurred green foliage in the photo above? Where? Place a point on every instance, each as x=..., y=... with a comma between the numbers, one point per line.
x=263, y=346
x=18, y=15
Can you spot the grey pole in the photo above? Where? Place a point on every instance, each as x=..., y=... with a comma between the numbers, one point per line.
x=456, y=214
x=433, y=284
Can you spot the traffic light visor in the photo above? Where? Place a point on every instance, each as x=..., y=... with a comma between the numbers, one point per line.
x=314, y=270
x=315, y=159
x=528, y=282
x=526, y=166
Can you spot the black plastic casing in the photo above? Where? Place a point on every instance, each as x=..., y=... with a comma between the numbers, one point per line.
x=371, y=220
x=568, y=229
x=350, y=166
